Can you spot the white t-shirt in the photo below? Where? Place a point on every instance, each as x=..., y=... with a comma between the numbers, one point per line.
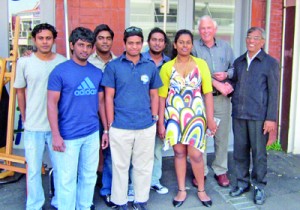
x=32, y=73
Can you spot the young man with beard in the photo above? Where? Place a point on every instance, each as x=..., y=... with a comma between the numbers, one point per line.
x=157, y=41
x=104, y=37
x=75, y=97
x=131, y=102
x=31, y=85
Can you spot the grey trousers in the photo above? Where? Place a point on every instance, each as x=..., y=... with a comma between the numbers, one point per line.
x=249, y=141
x=222, y=107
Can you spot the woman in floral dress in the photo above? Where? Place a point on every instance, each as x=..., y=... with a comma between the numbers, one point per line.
x=184, y=115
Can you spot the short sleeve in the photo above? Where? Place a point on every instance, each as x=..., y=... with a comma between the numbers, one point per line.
x=165, y=73
x=108, y=79
x=20, y=80
x=55, y=80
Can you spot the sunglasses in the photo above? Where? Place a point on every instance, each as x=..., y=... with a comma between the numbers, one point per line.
x=133, y=29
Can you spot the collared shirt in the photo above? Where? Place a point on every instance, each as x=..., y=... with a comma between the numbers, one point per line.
x=219, y=57
x=164, y=59
x=97, y=61
x=249, y=60
x=132, y=84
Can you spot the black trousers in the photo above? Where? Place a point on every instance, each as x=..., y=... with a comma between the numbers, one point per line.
x=250, y=140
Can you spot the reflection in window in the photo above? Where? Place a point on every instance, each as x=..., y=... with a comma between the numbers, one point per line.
x=146, y=14
x=29, y=13
x=221, y=11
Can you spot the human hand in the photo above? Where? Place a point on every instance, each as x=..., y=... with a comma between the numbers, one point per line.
x=161, y=131
x=105, y=141
x=58, y=143
x=228, y=87
x=212, y=126
x=220, y=76
x=224, y=88
x=27, y=53
x=269, y=126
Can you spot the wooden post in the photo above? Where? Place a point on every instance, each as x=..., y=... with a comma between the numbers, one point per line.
x=8, y=77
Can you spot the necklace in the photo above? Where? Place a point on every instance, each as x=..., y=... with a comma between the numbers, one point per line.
x=184, y=68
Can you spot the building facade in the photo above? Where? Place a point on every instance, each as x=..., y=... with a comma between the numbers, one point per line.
x=234, y=17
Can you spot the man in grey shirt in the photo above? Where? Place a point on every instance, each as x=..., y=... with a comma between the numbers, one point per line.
x=219, y=56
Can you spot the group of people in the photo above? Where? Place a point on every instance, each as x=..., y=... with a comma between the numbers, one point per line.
x=136, y=102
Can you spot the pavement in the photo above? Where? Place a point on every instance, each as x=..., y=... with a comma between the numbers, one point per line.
x=283, y=189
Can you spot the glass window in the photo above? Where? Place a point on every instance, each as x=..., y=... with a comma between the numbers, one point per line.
x=147, y=15
x=29, y=13
x=222, y=11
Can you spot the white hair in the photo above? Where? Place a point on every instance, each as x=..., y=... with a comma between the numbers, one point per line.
x=207, y=17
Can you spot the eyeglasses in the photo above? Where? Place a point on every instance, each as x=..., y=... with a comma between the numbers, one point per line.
x=133, y=29
x=255, y=38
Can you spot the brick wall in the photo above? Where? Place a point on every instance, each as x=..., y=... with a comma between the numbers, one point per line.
x=259, y=19
x=90, y=13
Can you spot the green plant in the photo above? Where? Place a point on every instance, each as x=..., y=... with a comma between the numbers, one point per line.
x=276, y=146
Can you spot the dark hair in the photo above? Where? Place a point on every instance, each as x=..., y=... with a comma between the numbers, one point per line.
x=133, y=31
x=44, y=26
x=177, y=35
x=157, y=30
x=261, y=30
x=83, y=34
x=103, y=27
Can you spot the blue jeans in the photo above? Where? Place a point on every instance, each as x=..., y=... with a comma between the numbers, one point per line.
x=76, y=172
x=34, y=143
x=107, y=173
x=157, y=166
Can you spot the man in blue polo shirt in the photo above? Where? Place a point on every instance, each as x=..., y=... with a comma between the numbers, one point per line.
x=131, y=101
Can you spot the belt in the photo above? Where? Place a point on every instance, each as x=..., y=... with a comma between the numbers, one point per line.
x=216, y=93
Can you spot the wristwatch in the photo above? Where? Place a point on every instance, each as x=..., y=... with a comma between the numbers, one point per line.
x=155, y=118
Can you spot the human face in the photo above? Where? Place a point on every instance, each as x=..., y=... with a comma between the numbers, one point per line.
x=104, y=42
x=133, y=46
x=207, y=31
x=44, y=41
x=184, y=45
x=254, y=42
x=157, y=43
x=81, y=51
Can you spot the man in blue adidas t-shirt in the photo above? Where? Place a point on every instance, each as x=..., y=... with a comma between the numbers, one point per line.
x=74, y=99
x=131, y=101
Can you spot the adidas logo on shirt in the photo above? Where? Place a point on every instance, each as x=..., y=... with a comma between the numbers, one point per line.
x=86, y=87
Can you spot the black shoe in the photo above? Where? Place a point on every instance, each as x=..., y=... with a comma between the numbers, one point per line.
x=205, y=203
x=259, y=196
x=139, y=206
x=92, y=207
x=237, y=191
x=108, y=202
x=177, y=204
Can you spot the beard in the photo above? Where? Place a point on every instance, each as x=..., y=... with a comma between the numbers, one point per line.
x=155, y=52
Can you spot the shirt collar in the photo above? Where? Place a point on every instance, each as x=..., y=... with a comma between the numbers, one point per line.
x=216, y=42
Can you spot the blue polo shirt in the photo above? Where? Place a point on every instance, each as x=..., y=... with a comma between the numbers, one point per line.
x=132, y=84
x=162, y=62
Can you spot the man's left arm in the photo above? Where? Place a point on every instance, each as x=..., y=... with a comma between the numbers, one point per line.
x=154, y=101
x=104, y=143
x=272, y=109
